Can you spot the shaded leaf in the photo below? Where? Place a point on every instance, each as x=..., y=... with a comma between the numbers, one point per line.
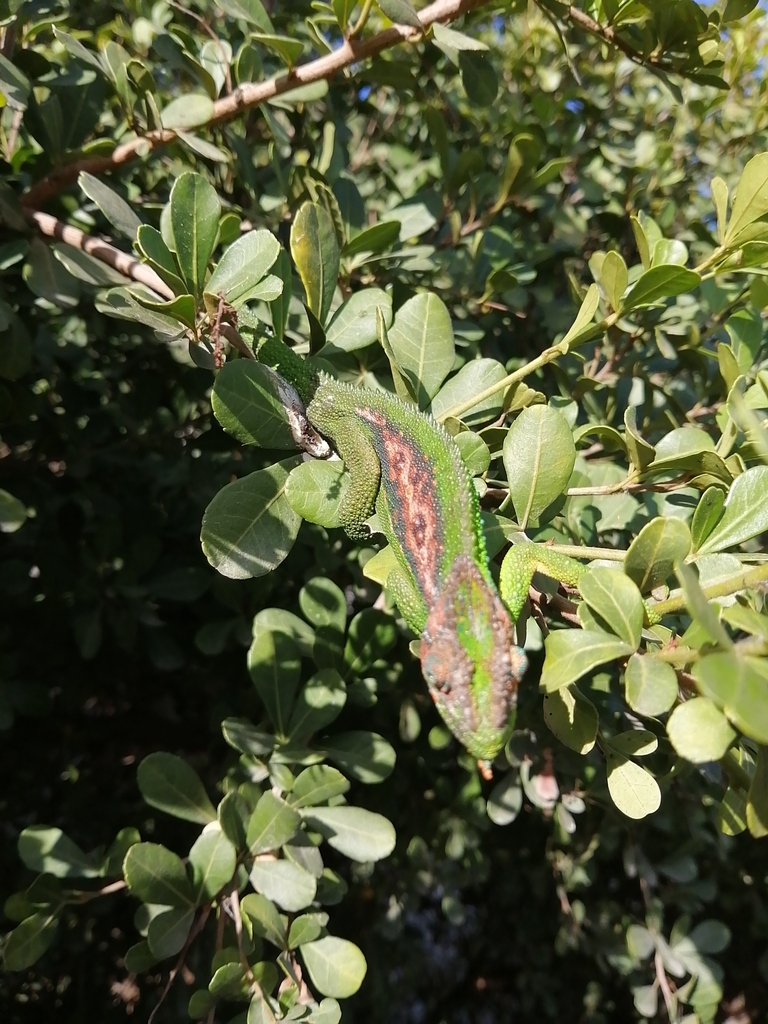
x=170, y=784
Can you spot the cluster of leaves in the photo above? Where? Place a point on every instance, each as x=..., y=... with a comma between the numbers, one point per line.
x=444, y=230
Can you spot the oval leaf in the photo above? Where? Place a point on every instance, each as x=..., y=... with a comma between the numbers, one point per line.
x=359, y=834
x=539, y=455
x=335, y=966
x=699, y=731
x=633, y=789
x=249, y=527
x=746, y=512
x=170, y=784
x=421, y=338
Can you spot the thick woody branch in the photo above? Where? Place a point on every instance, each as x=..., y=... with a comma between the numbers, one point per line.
x=120, y=261
x=352, y=51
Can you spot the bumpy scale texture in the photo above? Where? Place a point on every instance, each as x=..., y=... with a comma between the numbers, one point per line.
x=405, y=466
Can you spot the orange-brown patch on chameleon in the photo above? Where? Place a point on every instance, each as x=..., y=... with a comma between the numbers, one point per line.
x=408, y=480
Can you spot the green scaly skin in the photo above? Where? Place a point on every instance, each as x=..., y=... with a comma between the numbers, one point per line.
x=404, y=466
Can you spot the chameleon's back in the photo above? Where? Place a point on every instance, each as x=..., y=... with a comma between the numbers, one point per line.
x=431, y=501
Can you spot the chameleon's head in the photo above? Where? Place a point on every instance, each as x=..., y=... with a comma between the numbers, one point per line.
x=470, y=661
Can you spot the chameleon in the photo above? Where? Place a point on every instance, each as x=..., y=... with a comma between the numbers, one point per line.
x=406, y=468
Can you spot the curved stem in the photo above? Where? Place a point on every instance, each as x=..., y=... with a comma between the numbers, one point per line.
x=744, y=581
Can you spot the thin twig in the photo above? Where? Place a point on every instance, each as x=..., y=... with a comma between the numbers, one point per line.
x=194, y=931
x=86, y=897
x=251, y=94
x=120, y=261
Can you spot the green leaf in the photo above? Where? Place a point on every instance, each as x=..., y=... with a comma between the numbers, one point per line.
x=633, y=743
x=47, y=850
x=699, y=731
x=669, y=251
x=194, y=218
x=260, y=1011
x=401, y=12
x=150, y=245
x=479, y=77
x=14, y=85
x=168, y=931
x=28, y=941
x=448, y=38
x=170, y=784
x=307, y=928
x=616, y=600
x=505, y=801
x=189, y=111
x=359, y=834
x=572, y=718
x=633, y=789
x=583, y=322
x=371, y=635
x=252, y=11
x=373, y=239
x=139, y=958
x=316, y=785
x=242, y=735
x=539, y=456
x=335, y=966
x=421, y=337
x=353, y=325
x=750, y=202
x=651, y=685
x=653, y=553
x=365, y=756
x=182, y=308
x=757, y=798
x=46, y=277
x=704, y=612
x=315, y=252
x=87, y=268
x=246, y=404
x=286, y=47
x=572, y=653
x=473, y=378
x=229, y=982
x=739, y=686
x=323, y=603
x=119, y=214
x=243, y=266
x=660, y=282
x=746, y=512
x=285, y=883
x=267, y=921
x=275, y=668
x=15, y=354
x=155, y=875
x=212, y=859
x=200, y=1004
x=272, y=823
x=318, y=704
x=614, y=278
x=249, y=527
x=706, y=515
x=315, y=491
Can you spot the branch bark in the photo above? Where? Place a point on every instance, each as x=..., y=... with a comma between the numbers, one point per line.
x=120, y=261
x=352, y=51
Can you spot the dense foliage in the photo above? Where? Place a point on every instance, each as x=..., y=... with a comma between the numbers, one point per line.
x=546, y=225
